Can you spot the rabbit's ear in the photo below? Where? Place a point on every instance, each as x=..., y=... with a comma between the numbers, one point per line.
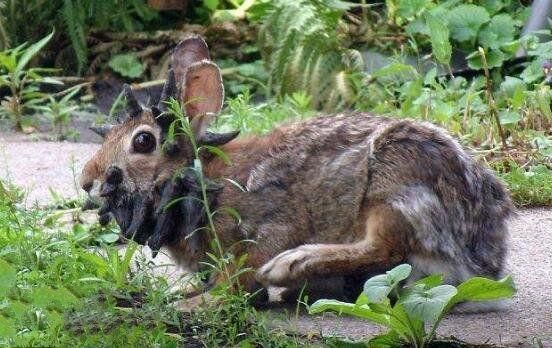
x=202, y=94
x=191, y=50
x=198, y=81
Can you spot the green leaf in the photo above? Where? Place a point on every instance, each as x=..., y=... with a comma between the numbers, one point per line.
x=31, y=51
x=499, y=31
x=211, y=4
x=377, y=288
x=390, y=339
x=533, y=72
x=127, y=65
x=396, y=71
x=7, y=277
x=411, y=8
x=430, y=281
x=465, y=21
x=108, y=238
x=509, y=117
x=493, y=6
x=439, y=37
x=483, y=289
x=427, y=304
x=495, y=58
x=217, y=152
x=339, y=307
x=409, y=328
x=512, y=85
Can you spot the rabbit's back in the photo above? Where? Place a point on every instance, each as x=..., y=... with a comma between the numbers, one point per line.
x=322, y=175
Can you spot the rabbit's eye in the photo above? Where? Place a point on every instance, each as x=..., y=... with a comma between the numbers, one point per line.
x=144, y=142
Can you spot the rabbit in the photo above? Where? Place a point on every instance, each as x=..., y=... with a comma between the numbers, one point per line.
x=332, y=196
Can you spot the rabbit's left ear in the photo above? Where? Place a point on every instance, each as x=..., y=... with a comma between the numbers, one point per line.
x=202, y=94
x=198, y=81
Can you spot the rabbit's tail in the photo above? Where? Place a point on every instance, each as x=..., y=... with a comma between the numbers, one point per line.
x=453, y=239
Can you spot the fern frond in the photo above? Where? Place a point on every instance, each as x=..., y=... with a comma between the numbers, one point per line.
x=74, y=17
x=301, y=46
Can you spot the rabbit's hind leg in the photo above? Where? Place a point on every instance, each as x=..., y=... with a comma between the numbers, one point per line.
x=384, y=245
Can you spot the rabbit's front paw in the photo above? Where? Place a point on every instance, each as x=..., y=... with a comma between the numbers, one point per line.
x=286, y=267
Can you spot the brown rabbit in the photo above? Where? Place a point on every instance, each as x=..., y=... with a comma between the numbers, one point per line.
x=343, y=195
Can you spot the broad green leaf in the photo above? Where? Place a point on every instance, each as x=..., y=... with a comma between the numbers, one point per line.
x=211, y=4
x=31, y=51
x=542, y=50
x=439, y=37
x=408, y=328
x=493, y=6
x=533, y=72
x=431, y=281
x=499, y=31
x=509, y=117
x=511, y=85
x=7, y=277
x=427, y=304
x=465, y=22
x=127, y=65
x=494, y=58
x=411, y=8
x=377, y=288
x=483, y=289
x=362, y=299
x=339, y=307
x=396, y=70
x=390, y=339
x=108, y=238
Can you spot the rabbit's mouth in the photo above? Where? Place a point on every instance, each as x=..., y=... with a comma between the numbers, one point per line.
x=133, y=211
x=173, y=210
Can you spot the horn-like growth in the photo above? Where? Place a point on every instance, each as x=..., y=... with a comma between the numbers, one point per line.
x=102, y=130
x=169, y=91
x=133, y=107
x=217, y=139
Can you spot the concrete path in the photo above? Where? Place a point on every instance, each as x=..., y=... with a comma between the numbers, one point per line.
x=38, y=166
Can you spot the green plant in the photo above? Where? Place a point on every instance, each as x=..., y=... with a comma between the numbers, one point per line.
x=80, y=16
x=127, y=65
x=73, y=19
x=228, y=319
x=233, y=10
x=530, y=186
x=418, y=308
x=23, y=83
x=263, y=117
x=58, y=112
x=492, y=25
x=305, y=49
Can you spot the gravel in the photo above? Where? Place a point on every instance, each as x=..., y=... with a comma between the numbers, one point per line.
x=40, y=166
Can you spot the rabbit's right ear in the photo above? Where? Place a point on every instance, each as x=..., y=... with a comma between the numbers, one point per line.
x=199, y=82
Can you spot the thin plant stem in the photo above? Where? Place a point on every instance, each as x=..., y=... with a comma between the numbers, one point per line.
x=490, y=97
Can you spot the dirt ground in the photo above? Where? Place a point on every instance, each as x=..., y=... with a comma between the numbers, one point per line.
x=39, y=166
